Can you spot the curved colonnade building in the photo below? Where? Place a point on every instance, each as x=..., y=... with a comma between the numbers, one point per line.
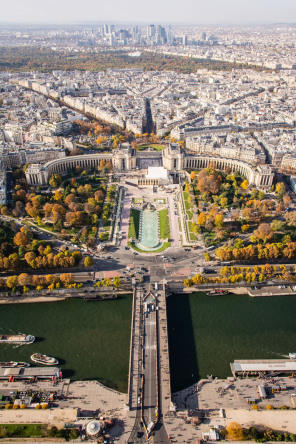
x=173, y=158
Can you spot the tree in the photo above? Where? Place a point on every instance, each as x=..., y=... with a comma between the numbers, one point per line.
x=224, y=271
x=57, y=195
x=70, y=198
x=245, y=228
x=188, y=283
x=209, y=181
x=280, y=190
x=5, y=211
x=235, y=431
x=55, y=180
x=117, y=281
x=244, y=184
x=30, y=256
x=219, y=220
x=207, y=257
x=223, y=202
x=264, y=232
x=201, y=220
x=67, y=278
x=12, y=281
x=198, y=279
x=88, y=261
x=74, y=434
x=24, y=279
x=21, y=239
x=277, y=225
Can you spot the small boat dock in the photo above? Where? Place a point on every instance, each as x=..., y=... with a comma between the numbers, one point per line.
x=30, y=373
x=263, y=367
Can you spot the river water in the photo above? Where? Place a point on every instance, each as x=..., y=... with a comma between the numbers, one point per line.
x=90, y=339
x=206, y=333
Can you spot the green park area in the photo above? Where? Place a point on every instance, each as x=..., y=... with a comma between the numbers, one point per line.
x=228, y=209
x=154, y=146
x=36, y=431
x=72, y=209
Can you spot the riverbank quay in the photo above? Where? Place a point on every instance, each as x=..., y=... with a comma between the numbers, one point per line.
x=77, y=403
x=236, y=398
x=270, y=289
x=88, y=293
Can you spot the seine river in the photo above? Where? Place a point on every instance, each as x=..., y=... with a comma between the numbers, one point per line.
x=206, y=333
x=90, y=339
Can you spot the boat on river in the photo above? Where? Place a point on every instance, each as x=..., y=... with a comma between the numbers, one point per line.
x=292, y=355
x=16, y=339
x=217, y=292
x=8, y=364
x=23, y=364
x=43, y=359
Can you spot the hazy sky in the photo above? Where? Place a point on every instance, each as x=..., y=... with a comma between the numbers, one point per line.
x=166, y=11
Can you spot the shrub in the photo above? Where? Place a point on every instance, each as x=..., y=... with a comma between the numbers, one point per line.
x=74, y=434
x=269, y=407
x=53, y=431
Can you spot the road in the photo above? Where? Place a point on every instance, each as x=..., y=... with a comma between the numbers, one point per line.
x=174, y=225
x=145, y=381
x=150, y=392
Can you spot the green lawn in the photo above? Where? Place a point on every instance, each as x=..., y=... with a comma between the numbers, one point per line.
x=134, y=223
x=192, y=236
x=164, y=224
x=191, y=233
x=190, y=215
x=164, y=246
x=187, y=205
x=155, y=146
x=23, y=430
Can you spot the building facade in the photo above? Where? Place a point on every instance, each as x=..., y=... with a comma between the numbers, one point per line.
x=174, y=159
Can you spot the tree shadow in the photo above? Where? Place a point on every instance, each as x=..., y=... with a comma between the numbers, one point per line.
x=182, y=349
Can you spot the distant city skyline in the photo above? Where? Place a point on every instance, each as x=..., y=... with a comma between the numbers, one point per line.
x=167, y=11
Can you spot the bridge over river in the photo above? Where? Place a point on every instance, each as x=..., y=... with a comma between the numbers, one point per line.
x=149, y=378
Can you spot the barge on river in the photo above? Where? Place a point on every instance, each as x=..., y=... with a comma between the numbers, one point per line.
x=31, y=374
x=217, y=292
x=263, y=367
x=9, y=364
x=16, y=339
